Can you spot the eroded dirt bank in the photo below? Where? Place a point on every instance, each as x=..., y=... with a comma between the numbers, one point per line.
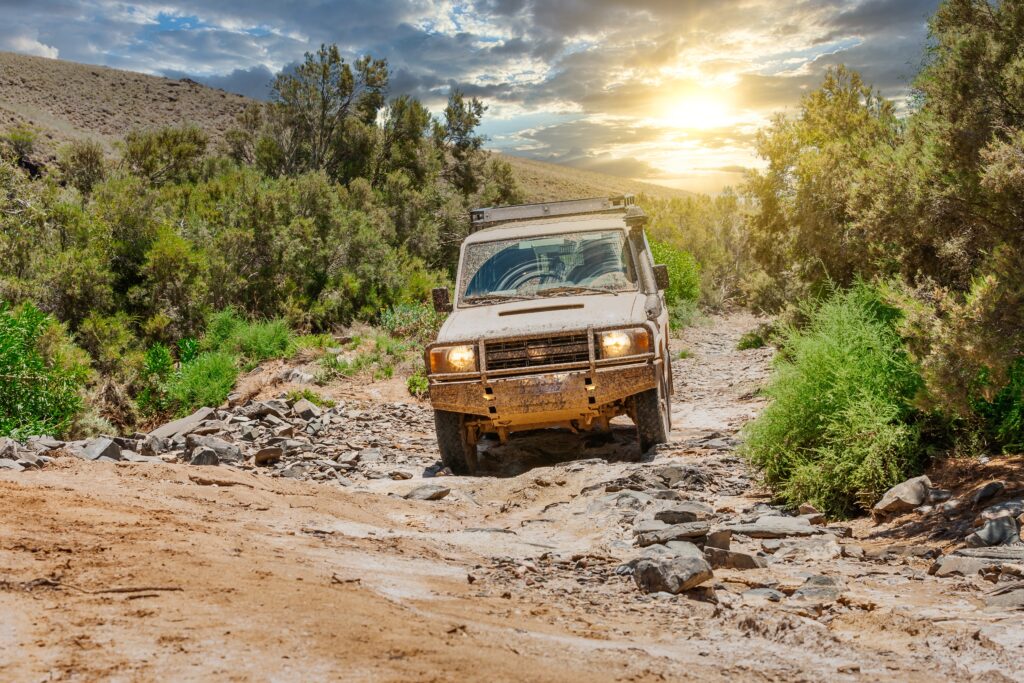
x=150, y=571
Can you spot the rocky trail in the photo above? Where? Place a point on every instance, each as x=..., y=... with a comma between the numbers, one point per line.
x=281, y=541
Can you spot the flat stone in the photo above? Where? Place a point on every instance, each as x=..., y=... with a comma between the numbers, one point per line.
x=675, y=532
x=182, y=426
x=8, y=464
x=804, y=549
x=772, y=526
x=428, y=492
x=671, y=575
x=987, y=492
x=819, y=588
x=225, y=450
x=1006, y=553
x=305, y=409
x=204, y=456
x=684, y=512
x=101, y=447
x=956, y=565
x=268, y=455
x=153, y=445
x=719, y=537
x=648, y=525
x=1014, y=508
x=761, y=596
x=903, y=497
x=1009, y=597
x=999, y=531
x=731, y=559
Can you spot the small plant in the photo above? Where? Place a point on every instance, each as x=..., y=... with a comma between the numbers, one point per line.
x=417, y=322
x=22, y=141
x=750, y=340
x=253, y=342
x=188, y=349
x=684, y=354
x=417, y=385
x=311, y=396
x=157, y=367
x=206, y=381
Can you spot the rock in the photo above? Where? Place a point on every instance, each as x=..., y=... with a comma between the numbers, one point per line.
x=719, y=537
x=804, y=549
x=675, y=532
x=987, y=492
x=1008, y=597
x=685, y=511
x=299, y=377
x=101, y=447
x=428, y=492
x=807, y=509
x=307, y=410
x=730, y=559
x=814, y=518
x=225, y=450
x=400, y=475
x=8, y=464
x=999, y=531
x=648, y=525
x=132, y=456
x=152, y=445
x=761, y=596
x=854, y=552
x=671, y=575
x=268, y=455
x=936, y=496
x=819, y=588
x=956, y=565
x=1014, y=508
x=903, y=497
x=204, y=456
x=183, y=426
x=684, y=549
x=8, y=448
x=771, y=526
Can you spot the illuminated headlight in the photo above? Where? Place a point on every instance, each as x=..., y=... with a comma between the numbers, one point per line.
x=618, y=343
x=452, y=359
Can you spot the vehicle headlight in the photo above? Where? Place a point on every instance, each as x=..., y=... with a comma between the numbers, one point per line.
x=618, y=343
x=452, y=359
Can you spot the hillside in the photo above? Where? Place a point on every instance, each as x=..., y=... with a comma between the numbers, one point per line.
x=65, y=101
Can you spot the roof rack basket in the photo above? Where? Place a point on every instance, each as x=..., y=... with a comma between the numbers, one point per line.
x=489, y=217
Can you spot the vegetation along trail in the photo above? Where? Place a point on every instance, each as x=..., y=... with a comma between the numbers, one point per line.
x=149, y=570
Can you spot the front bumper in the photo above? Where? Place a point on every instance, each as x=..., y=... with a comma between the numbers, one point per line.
x=543, y=395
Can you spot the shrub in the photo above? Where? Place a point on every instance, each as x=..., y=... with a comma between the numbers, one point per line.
x=22, y=141
x=683, y=273
x=41, y=374
x=1003, y=415
x=206, y=381
x=311, y=396
x=83, y=165
x=750, y=340
x=417, y=384
x=839, y=430
x=418, y=322
x=254, y=342
x=156, y=369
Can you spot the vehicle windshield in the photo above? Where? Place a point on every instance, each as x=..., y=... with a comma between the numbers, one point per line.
x=550, y=265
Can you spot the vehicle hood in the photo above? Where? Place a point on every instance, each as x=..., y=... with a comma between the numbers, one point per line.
x=544, y=316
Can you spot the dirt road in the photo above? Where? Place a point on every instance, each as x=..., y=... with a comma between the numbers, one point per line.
x=137, y=572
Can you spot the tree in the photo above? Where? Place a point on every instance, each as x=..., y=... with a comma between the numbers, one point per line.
x=319, y=104
x=460, y=142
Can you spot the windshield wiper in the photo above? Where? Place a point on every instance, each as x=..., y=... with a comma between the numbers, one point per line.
x=574, y=289
x=494, y=298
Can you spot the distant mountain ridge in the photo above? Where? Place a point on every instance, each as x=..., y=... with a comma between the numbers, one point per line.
x=66, y=100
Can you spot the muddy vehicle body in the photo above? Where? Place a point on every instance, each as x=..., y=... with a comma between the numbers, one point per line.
x=558, y=320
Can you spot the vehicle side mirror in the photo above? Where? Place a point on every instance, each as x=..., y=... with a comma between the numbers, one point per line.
x=442, y=303
x=661, y=276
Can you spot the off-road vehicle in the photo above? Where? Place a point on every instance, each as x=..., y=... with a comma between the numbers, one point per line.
x=558, y=320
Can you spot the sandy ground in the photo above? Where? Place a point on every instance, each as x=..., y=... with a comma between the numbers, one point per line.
x=140, y=572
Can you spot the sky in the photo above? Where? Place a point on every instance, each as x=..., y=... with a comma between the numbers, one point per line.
x=667, y=91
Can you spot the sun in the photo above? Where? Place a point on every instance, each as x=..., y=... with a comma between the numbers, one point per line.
x=694, y=112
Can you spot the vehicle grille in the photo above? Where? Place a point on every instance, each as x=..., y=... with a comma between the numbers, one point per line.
x=528, y=353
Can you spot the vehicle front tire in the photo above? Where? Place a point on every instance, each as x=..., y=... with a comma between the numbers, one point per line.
x=457, y=453
x=652, y=417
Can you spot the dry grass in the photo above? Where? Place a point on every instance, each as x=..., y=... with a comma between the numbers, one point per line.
x=542, y=182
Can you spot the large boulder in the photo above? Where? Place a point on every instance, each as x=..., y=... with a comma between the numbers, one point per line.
x=1002, y=530
x=673, y=574
x=225, y=450
x=903, y=497
x=101, y=447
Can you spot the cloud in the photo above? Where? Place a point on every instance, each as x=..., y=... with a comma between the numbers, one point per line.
x=588, y=81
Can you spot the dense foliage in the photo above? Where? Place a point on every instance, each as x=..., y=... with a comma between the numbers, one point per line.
x=837, y=432
x=327, y=205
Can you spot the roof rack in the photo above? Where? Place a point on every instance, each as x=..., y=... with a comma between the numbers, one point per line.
x=491, y=216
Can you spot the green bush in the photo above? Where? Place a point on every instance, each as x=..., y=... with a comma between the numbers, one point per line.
x=840, y=429
x=311, y=396
x=683, y=273
x=41, y=375
x=750, y=340
x=156, y=370
x=417, y=384
x=418, y=322
x=253, y=342
x=206, y=381
x=1003, y=415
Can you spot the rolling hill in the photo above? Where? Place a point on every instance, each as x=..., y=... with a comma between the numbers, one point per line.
x=65, y=100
